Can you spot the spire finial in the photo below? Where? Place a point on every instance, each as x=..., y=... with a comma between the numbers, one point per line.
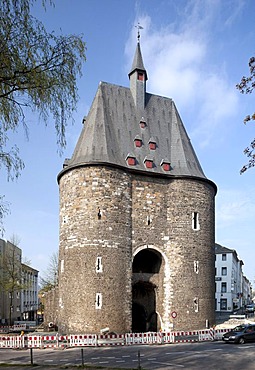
x=139, y=27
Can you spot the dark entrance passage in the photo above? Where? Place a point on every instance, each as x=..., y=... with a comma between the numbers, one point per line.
x=146, y=265
x=144, y=317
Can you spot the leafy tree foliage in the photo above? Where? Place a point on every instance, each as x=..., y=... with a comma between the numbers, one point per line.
x=246, y=86
x=38, y=72
x=49, y=278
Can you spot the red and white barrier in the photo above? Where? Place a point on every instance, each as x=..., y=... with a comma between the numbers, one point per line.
x=82, y=340
x=111, y=340
x=11, y=341
x=34, y=341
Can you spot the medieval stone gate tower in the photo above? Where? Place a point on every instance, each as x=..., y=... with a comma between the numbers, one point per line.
x=136, y=218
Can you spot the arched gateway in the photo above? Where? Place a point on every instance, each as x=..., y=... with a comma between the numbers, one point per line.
x=145, y=279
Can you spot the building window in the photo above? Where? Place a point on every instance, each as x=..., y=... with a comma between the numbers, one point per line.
x=148, y=164
x=138, y=143
x=223, y=287
x=195, y=221
x=152, y=146
x=140, y=76
x=99, y=266
x=223, y=304
x=223, y=271
x=196, y=267
x=142, y=123
x=224, y=257
x=196, y=304
x=166, y=165
x=131, y=161
x=62, y=266
x=98, y=301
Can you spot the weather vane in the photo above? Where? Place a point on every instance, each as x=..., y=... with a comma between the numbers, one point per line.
x=139, y=27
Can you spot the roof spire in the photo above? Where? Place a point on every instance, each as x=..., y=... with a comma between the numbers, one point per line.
x=139, y=27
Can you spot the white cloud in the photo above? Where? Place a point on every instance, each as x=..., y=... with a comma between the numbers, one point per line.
x=234, y=207
x=177, y=60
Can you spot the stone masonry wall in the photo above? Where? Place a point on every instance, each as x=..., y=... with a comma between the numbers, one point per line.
x=106, y=217
x=95, y=250
x=188, y=255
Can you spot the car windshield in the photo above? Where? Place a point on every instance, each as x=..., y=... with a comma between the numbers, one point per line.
x=239, y=328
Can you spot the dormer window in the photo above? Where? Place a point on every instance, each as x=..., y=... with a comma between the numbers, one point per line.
x=131, y=160
x=140, y=76
x=166, y=165
x=142, y=123
x=138, y=142
x=152, y=144
x=148, y=162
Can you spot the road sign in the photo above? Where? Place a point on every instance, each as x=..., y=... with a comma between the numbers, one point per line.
x=174, y=314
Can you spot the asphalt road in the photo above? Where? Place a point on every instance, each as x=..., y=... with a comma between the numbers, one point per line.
x=199, y=356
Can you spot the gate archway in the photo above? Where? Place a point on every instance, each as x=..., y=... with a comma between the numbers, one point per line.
x=146, y=268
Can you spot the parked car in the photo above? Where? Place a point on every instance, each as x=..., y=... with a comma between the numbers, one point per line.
x=240, y=334
x=249, y=308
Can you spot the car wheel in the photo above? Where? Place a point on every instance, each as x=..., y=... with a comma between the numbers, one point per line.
x=241, y=340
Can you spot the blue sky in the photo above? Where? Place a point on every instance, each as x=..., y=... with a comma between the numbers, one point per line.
x=201, y=48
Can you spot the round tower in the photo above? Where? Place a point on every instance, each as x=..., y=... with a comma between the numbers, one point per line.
x=95, y=250
x=173, y=254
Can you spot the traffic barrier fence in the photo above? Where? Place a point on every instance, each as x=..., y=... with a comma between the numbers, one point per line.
x=57, y=341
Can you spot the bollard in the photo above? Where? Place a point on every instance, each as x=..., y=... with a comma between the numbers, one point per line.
x=31, y=356
x=139, y=361
x=82, y=358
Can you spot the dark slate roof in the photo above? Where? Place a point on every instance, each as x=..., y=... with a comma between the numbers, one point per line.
x=219, y=249
x=113, y=123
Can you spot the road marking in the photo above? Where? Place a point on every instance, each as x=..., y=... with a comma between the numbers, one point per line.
x=167, y=364
x=125, y=356
x=103, y=362
x=120, y=361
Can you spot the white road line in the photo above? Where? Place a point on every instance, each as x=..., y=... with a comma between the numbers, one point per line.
x=167, y=364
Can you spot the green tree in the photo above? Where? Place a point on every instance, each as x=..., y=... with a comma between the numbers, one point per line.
x=38, y=72
x=246, y=86
x=49, y=278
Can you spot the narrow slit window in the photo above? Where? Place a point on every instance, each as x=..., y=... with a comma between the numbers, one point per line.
x=98, y=301
x=196, y=304
x=99, y=266
x=196, y=269
x=62, y=266
x=195, y=221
